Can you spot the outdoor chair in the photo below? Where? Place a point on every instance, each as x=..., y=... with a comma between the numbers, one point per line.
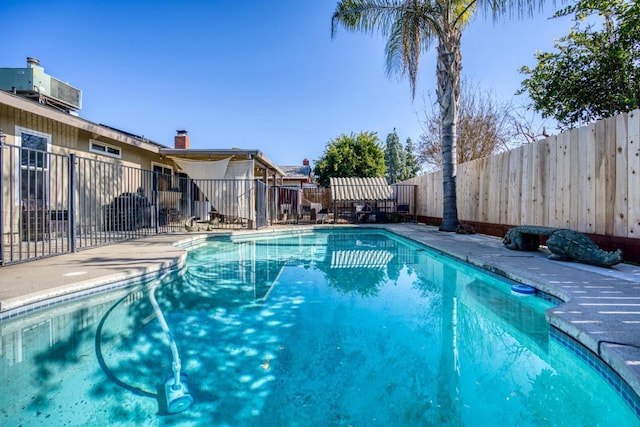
x=323, y=215
x=403, y=211
x=363, y=213
x=285, y=211
x=318, y=213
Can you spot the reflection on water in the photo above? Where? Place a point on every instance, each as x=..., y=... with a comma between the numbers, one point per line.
x=358, y=265
x=326, y=328
x=515, y=312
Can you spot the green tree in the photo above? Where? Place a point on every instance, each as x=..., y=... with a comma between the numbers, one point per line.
x=394, y=158
x=594, y=73
x=412, y=26
x=411, y=166
x=351, y=155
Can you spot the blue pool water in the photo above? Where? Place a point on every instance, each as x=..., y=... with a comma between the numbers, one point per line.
x=311, y=329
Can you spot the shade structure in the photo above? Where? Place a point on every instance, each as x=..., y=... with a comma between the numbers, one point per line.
x=355, y=188
x=228, y=185
x=198, y=169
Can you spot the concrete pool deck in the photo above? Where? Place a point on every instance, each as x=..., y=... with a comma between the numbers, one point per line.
x=602, y=308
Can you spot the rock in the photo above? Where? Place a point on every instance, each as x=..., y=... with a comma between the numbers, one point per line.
x=465, y=229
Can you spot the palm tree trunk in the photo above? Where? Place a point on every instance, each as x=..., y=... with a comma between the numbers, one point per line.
x=448, y=93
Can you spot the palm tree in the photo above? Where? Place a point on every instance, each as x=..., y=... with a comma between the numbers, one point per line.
x=412, y=26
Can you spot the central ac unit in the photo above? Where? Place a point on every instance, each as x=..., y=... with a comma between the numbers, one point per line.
x=33, y=82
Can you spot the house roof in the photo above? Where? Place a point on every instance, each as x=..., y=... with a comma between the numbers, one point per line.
x=296, y=172
x=42, y=110
x=124, y=137
x=360, y=189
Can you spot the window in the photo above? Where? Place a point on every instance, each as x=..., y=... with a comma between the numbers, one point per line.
x=34, y=164
x=104, y=149
x=164, y=176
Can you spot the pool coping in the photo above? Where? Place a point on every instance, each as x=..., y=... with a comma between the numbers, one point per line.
x=601, y=309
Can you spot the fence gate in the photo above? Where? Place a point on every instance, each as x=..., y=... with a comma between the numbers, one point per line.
x=34, y=203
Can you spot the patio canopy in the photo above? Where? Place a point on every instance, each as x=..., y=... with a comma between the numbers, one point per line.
x=228, y=185
x=347, y=189
x=221, y=169
x=203, y=170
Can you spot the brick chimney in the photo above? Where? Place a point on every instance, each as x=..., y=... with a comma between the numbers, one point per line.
x=181, y=140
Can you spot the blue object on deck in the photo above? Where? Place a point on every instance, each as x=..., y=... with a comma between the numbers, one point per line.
x=523, y=290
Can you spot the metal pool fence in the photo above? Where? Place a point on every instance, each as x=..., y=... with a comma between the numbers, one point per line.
x=53, y=203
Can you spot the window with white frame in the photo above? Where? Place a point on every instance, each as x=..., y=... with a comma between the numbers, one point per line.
x=105, y=149
x=33, y=169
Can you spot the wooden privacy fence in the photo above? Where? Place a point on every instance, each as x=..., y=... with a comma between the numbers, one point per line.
x=585, y=179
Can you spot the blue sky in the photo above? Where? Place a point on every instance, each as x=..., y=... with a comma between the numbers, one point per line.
x=253, y=74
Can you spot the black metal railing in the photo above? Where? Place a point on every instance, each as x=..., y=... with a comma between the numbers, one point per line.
x=52, y=204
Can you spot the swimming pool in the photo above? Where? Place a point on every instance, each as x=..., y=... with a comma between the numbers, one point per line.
x=323, y=328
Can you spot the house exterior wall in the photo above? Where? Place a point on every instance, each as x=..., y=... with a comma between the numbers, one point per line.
x=68, y=134
x=67, y=138
x=123, y=186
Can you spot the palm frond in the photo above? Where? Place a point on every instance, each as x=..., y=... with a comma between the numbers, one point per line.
x=512, y=8
x=408, y=39
x=464, y=11
x=410, y=25
x=368, y=16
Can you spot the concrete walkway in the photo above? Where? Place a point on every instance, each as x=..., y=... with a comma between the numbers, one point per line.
x=602, y=309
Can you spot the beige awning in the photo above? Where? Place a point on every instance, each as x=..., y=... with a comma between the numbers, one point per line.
x=360, y=189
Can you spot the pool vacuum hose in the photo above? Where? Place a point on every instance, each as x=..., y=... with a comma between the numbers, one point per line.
x=176, y=389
